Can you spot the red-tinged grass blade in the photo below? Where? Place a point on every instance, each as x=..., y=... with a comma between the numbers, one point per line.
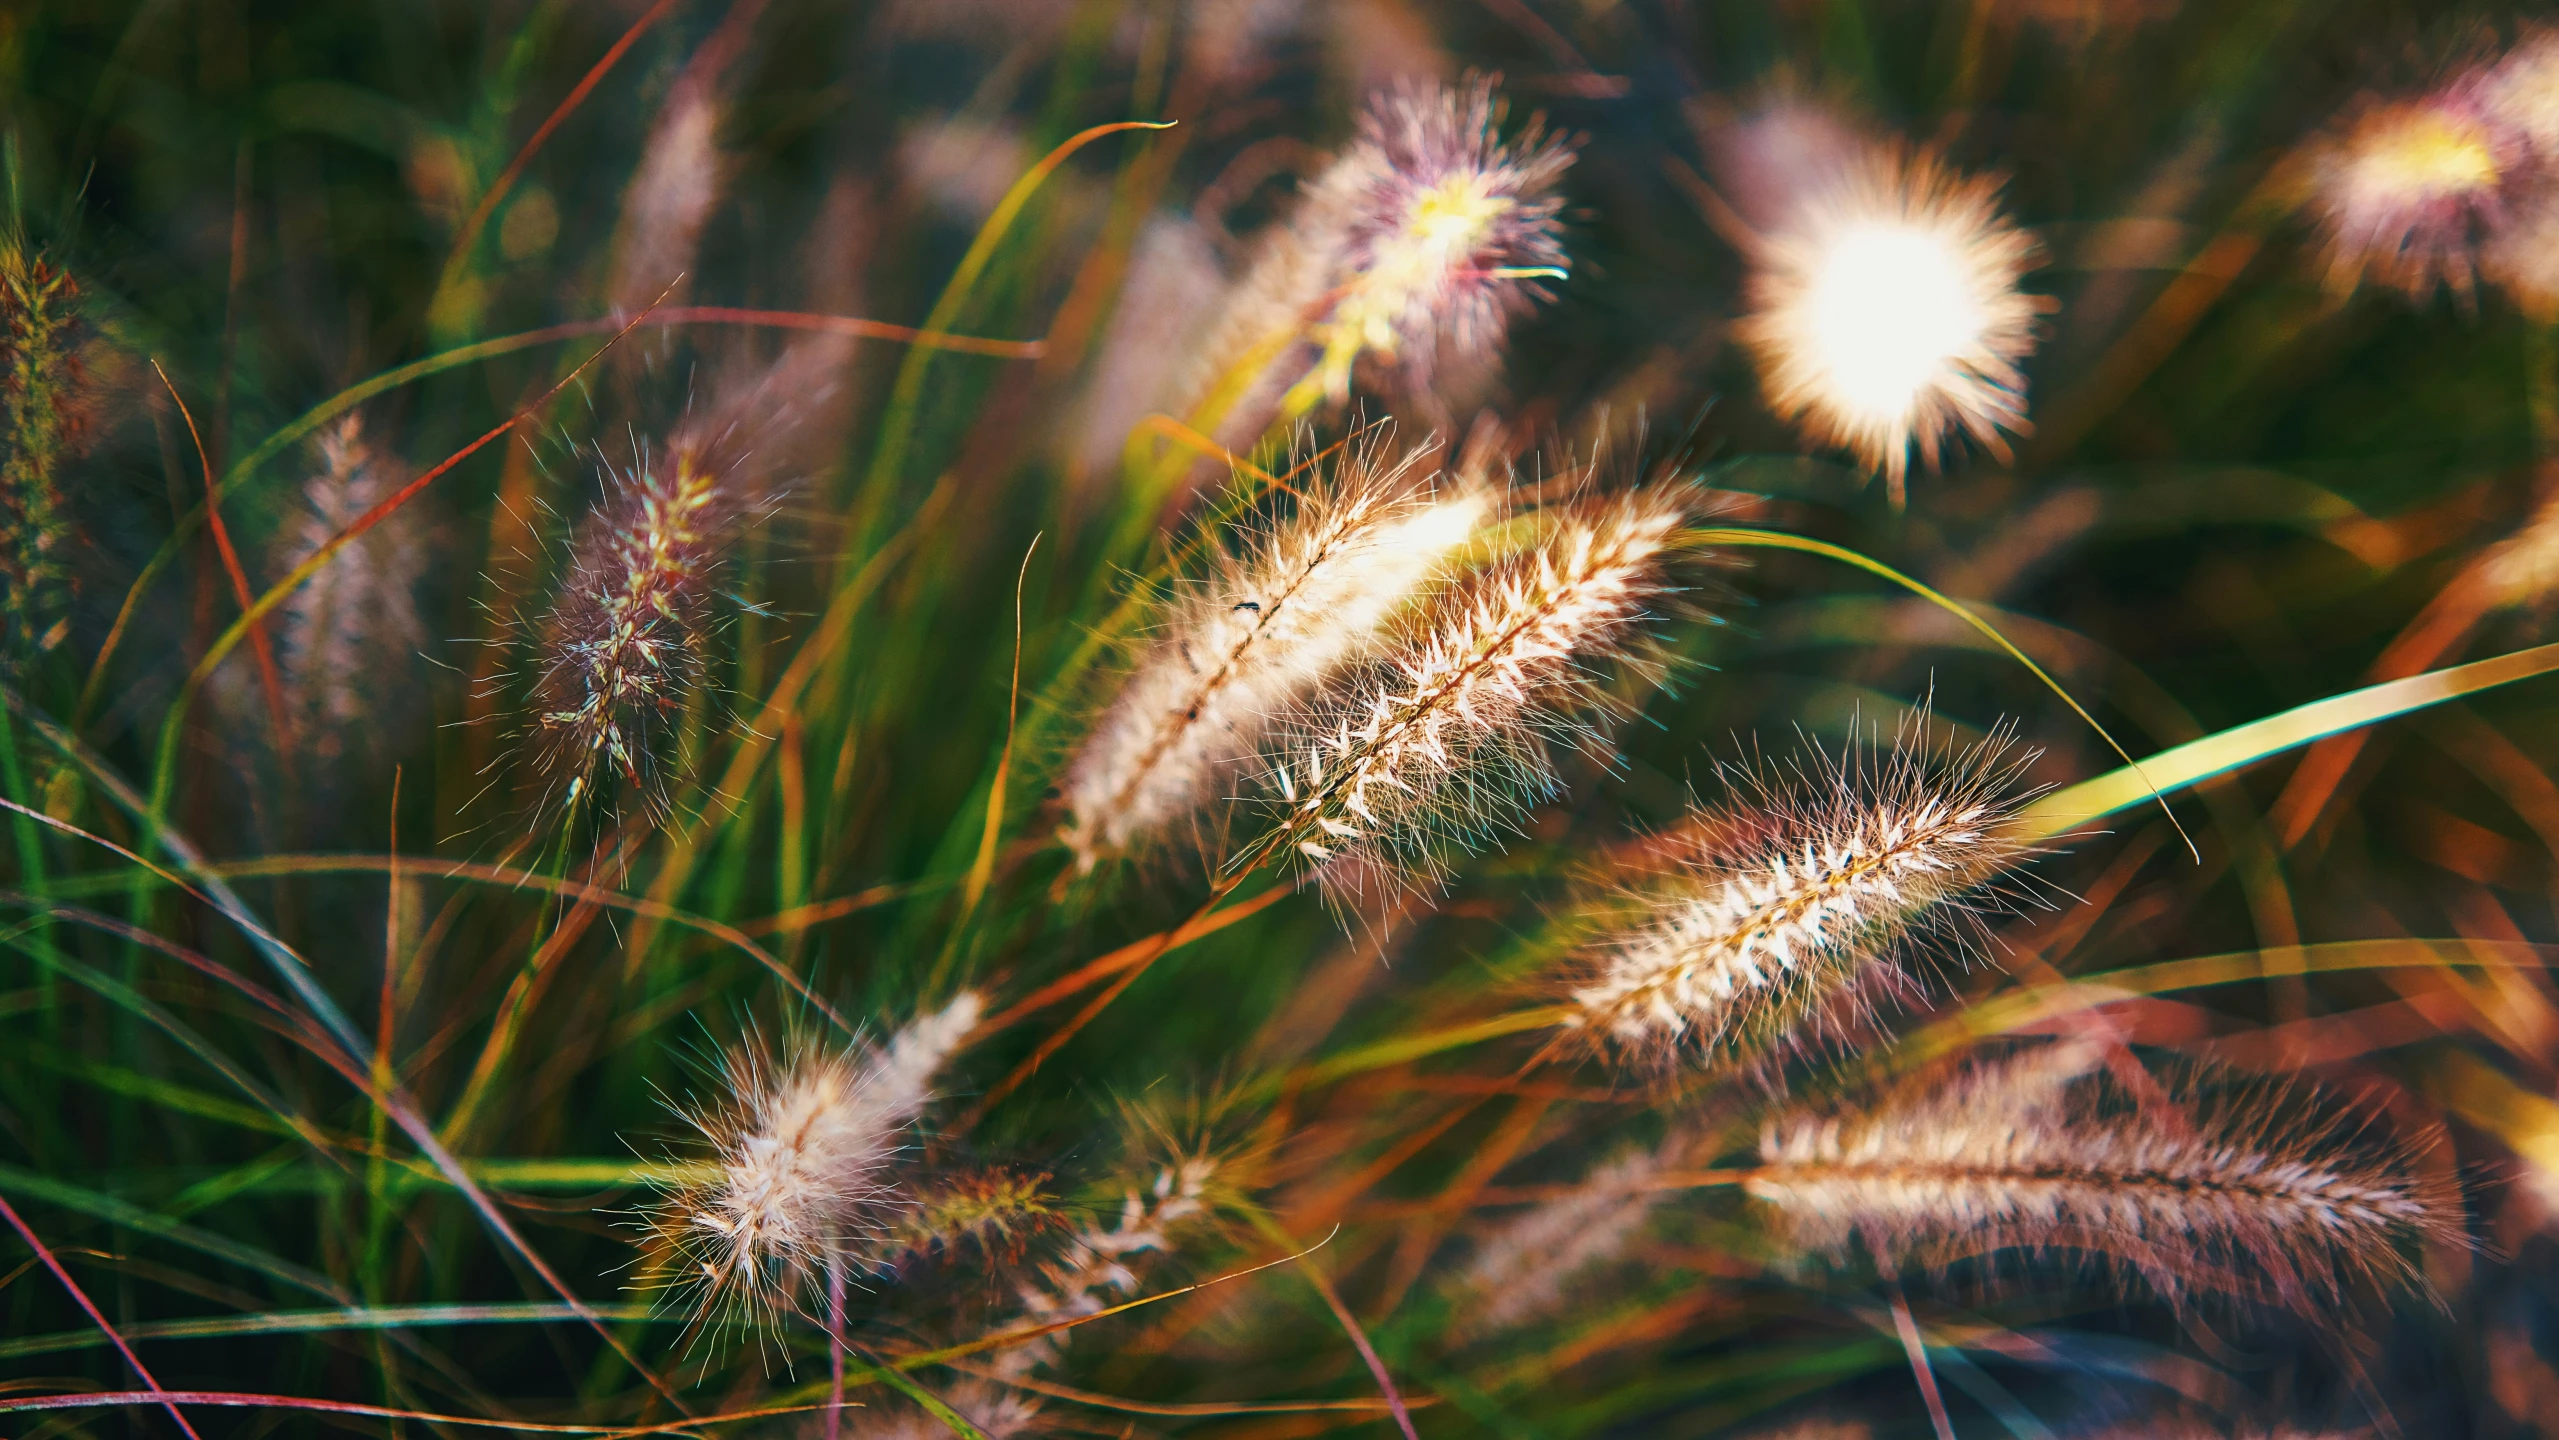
x=469, y=239
x=308, y=1322
x=1350, y=1326
x=9, y=1213
x=2247, y=744
x=268, y=679
x=242, y=1400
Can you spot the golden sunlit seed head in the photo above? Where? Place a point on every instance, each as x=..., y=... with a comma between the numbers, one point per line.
x=1268, y=627
x=1445, y=739
x=2407, y=191
x=2190, y=1181
x=1886, y=317
x=807, y=1147
x=1781, y=917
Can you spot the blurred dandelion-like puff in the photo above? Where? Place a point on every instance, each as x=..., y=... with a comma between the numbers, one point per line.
x=1886, y=314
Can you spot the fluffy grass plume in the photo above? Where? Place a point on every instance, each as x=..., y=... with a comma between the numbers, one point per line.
x=346, y=635
x=1525, y=1269
x=1886, y=316
x=2254, y=1191
x=1255, y=639
x=807, y=1145
x=1414, y=250
x=2407, y=189
x=1813, y=888
x=624, y=646
x=1446, y=739
x=44, y=420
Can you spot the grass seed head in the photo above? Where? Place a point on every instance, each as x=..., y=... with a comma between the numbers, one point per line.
x=1525, y=1269
x=1446, y=230
x=1446, y=739
x=624, y=648
x=2248, y=1190
x=2407, y=190
x=1886, y=314
x=346, y=633
x=808, y=1147
x=1813, y=888
x=1255, y=641
x=44, y=424
x=1413, y=251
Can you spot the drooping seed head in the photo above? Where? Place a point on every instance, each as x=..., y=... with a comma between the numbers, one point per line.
x=2252, y=1191
x=807, y=1150
x=1446, y=738
x=1886, y=314
x=2406, y=190
x=1268, y=627
x=1814, y=888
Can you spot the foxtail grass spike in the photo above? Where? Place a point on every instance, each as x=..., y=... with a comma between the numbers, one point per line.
x=348, y=632
x=1414, y=250
x=1446, y=740
x=624, y=647
x=2251, y=1191
x=1255, y=641
x=44, y=423
x=1812, y=890
x=808, y=1145
x=1525, y=1269
x=2407, y=190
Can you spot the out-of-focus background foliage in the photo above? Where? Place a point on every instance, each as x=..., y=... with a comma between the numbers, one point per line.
x=2243, y=483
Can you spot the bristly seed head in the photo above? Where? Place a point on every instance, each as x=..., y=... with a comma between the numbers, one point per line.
x=624, y=647
x=44, y=422
x=807, y=1145
x=346, y=630
x=1253, y=642
x=1788, y=908
x=1886, y=315
x=1447, y=736
x=2407, y=190
x=1445, y=231
x=2245, y=1190
x=1412, y=252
